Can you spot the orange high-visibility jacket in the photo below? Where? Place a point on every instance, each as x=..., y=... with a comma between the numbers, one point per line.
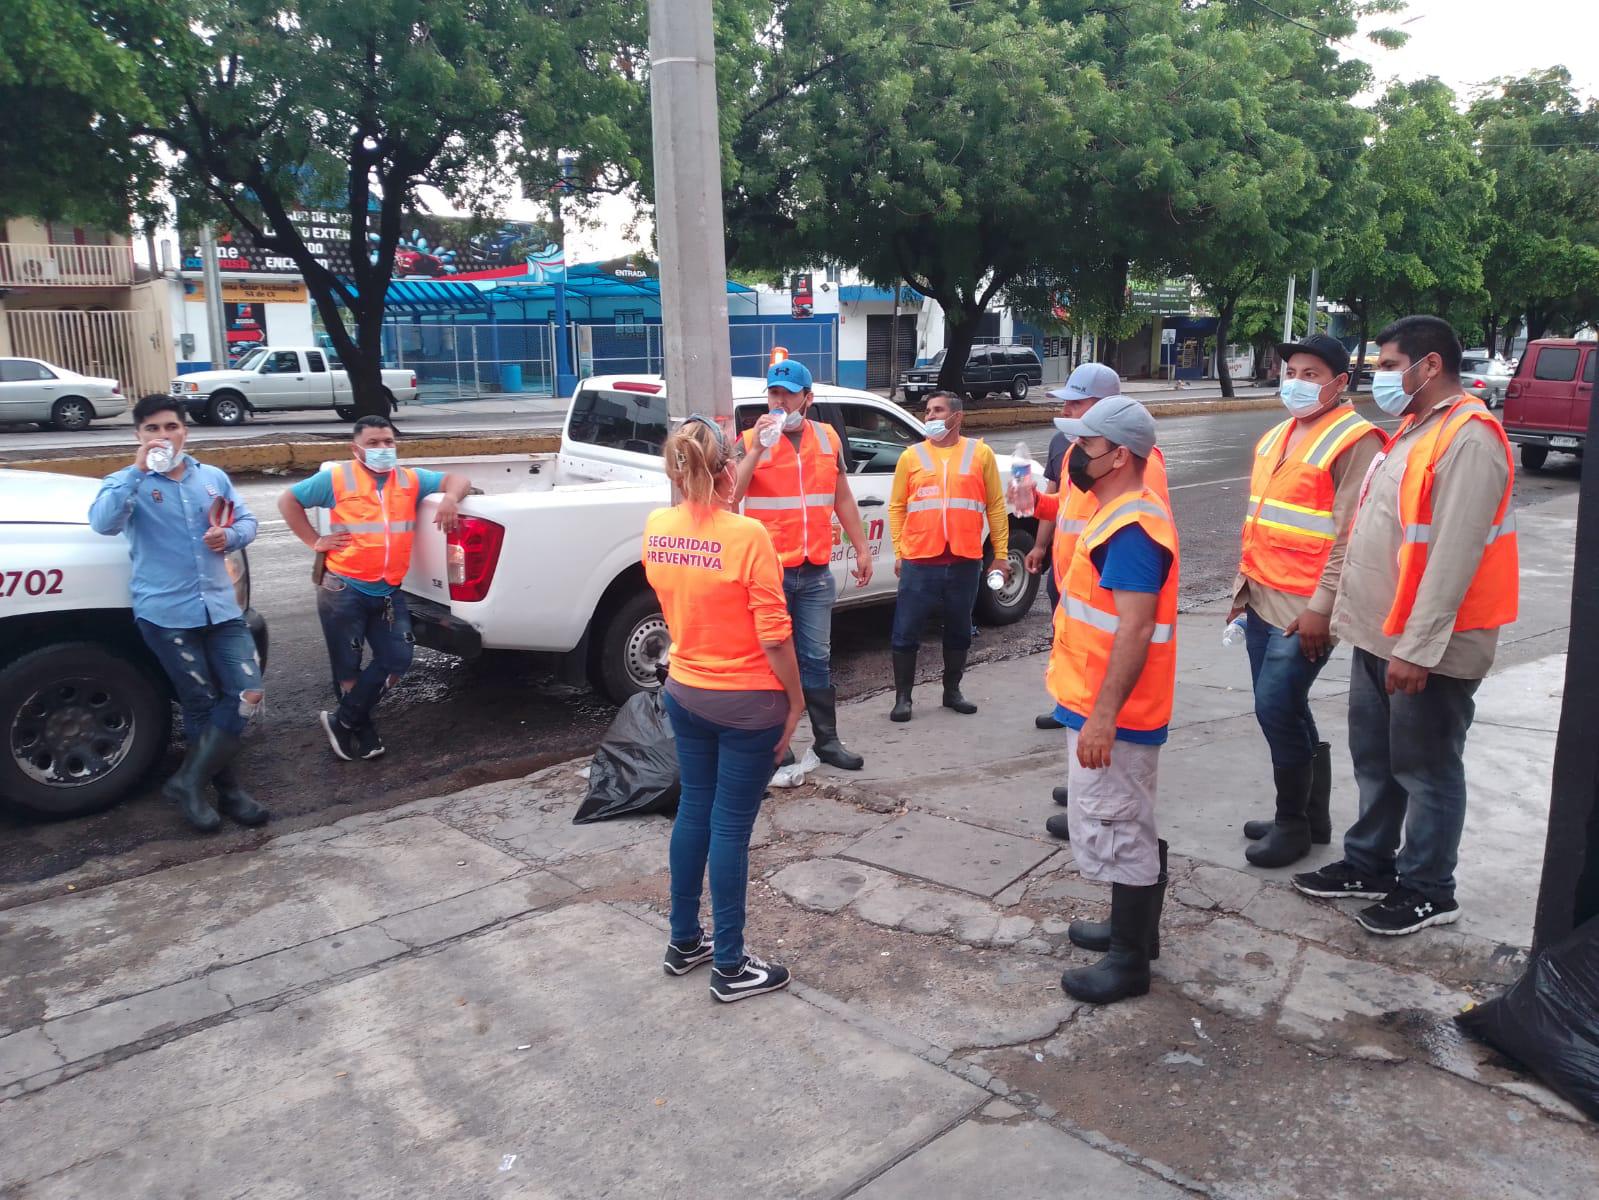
x=1492, y=598
x=721, y=592
x=791, y=493
x=1289, y=529
x=946, y=501
x=380, y=521
x=1086, y=621
x=1071, y=509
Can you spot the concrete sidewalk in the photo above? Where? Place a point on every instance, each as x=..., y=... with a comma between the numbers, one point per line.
x=462, y=996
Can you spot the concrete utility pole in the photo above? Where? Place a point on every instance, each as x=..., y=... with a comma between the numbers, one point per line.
x=216, y=323
x=688, y=211
x=1568, y=894
x=1315, y=295
x=1288, y=312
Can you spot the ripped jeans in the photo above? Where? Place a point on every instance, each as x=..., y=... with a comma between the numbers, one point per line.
x=214, y=669
x=351, y=621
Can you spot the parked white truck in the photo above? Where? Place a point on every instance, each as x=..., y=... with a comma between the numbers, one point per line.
x=546, y=557
x=280, y=378
x=85, y=708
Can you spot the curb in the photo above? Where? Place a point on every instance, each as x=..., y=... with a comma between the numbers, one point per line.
x=1008, y=418
x=251, y=456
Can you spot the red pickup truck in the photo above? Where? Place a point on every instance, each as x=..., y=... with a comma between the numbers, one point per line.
x=1548, y=401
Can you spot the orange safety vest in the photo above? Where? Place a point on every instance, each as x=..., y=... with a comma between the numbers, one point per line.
x=381, y=522
x=943, y=511
x=1289, y=529
x=1086, y=621
x=1491, y=599
x=1074, y=508
x=791, y=493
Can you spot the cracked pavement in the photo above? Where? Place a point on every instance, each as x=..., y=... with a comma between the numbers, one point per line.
x=461, y=995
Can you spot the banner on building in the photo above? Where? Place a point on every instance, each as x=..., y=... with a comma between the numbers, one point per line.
x=250, y=291
x=800, y=294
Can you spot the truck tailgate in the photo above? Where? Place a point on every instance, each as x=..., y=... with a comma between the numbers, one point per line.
x=429, y=576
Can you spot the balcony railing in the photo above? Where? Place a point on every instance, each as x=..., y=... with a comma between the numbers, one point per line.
x=52, y=265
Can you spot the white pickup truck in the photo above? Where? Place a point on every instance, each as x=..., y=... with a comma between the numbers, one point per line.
x=278, y=378
x=85, y=709
x=546, y=557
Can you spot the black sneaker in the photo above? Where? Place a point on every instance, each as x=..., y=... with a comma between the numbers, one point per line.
x=367, y=742
x=680, y=960
x=753, y=978
x=1338, y=881
x=1405, y=910
x=340, y=738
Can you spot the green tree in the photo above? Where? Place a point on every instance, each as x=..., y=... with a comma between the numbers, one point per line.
x=1542, y=143
x=258, y=108
x=1417, y=243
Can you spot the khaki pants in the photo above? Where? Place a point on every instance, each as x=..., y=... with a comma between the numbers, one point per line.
x=1112, y=814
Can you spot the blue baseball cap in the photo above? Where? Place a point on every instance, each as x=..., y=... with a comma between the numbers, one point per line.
x=791, y=375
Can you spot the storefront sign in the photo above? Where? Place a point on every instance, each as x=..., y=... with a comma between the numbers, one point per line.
x=250, y=291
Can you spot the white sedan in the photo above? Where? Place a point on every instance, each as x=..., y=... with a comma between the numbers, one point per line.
x=34, y=390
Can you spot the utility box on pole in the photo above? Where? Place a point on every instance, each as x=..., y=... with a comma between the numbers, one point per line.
x=688, y=211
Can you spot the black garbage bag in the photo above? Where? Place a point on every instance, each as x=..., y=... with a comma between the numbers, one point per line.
x=1548, y=1021
x=634, y=771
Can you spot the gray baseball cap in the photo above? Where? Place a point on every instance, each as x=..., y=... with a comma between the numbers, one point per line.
x=1120, y=420
x=1090, y=381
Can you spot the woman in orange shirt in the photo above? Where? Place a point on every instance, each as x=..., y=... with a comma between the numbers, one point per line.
x=732, y=693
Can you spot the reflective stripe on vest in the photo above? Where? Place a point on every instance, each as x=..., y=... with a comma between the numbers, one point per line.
x=1289, y=528
x=381, y=523
x=1491, y=600
x=1086, y=623
x=949, y=518
x=792, y=493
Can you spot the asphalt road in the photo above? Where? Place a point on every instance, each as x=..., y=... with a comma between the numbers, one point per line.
x=451, y=724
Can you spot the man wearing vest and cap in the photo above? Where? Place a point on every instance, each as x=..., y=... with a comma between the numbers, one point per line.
x=371, y=503
x=943, y=488
x=1303, y=488
x=1112, y=671
x=1430, y=575
x=795, y=486
x=1063, y=514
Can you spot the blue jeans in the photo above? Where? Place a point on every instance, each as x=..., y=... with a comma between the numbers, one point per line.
x=205, y=665
x=810, y=591
x=1282, y=678
x=724, y=773
x=946, y=589
x=352, y=620
x=1408, y=756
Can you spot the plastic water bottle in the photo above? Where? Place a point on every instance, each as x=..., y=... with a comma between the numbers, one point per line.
x=159, y=457
x=1233, y=635
x=1021, y=477
x=996, y=580
x=771, y=431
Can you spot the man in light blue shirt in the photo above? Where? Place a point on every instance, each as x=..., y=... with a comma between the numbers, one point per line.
x=181, y=519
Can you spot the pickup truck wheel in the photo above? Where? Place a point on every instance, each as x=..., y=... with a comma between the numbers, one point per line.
x=345, y=412
x=1013, y=601
x=1534, y=457
x=633, y=644
x=82, y=726
x=71, y=414
x=226, y=408
x=1018, y=387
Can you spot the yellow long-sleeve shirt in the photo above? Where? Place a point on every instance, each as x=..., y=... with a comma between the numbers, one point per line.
x=993, y=492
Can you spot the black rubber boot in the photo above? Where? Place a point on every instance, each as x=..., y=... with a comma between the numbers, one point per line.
x=904, y=681
x=954, y=669
x=1095, y=935
x=1288, y=840
x=1059, y=825
x=186, y=787
x=1060, y=796
x=1320, y=812
x=1047, y=721
x=1124, y=971
x=822, y=705
x=1320, y=802
x=233, y=801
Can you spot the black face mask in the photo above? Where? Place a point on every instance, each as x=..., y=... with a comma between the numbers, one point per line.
x=1077, y=467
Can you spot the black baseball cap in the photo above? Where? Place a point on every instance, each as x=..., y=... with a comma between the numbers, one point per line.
x=1324, y=346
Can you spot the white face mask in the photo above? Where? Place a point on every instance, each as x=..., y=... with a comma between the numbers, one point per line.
x=1388, y=390
x=936, y=428
x=1300, y=397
